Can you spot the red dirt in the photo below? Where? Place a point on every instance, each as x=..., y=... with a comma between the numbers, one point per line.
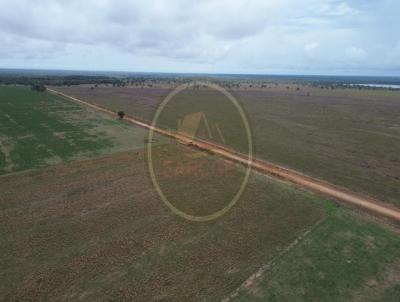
x=341, y=195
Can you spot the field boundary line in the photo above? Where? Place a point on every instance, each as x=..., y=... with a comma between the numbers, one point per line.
x=255, y=277
x=341, y=195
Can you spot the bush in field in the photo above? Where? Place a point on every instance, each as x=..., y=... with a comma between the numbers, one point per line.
x=121, y=114
x=40, y=88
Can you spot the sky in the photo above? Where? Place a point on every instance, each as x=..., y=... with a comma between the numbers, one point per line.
x=353, y=37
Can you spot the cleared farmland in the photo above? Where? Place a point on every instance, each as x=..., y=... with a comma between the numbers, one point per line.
x=347, y=258
x=348, y=137
x=38, y=129
x=96, y=229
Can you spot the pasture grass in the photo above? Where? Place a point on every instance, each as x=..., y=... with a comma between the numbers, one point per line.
x=348, y=137
x=346, y=258
x=97, y=230
x=39, y=128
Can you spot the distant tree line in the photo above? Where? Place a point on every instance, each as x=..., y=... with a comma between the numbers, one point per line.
x=55, y=80
x=38, y=82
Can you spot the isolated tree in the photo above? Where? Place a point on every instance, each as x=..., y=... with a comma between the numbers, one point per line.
x=40, y=88
x=121, y=114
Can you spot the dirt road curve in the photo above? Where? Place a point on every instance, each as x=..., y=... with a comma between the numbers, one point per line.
x=341, y=195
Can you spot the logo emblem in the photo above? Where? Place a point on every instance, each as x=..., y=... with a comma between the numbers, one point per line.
x=194, y=183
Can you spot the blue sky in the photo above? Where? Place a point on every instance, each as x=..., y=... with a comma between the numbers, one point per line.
x=355, y=37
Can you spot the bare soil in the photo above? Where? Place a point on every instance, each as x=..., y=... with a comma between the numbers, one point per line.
x=97, y=230
x=342, y=195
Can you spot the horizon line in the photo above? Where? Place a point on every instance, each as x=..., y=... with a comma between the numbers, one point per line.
x=196, y=73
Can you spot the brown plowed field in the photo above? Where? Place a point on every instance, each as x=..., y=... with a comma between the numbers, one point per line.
x=341, y=195
x=96, y=230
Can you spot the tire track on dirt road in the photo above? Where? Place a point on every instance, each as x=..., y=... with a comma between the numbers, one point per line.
x=343, y=196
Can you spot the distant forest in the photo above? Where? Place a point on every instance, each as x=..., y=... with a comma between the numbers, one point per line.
x=55, y=80
x=38, y=79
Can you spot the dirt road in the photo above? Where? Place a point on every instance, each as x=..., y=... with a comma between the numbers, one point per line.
x=341, y=195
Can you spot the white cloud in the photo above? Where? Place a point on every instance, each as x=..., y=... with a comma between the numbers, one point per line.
x=188, y=35
x=311, y=48
x=332, y=8
x=356, y=53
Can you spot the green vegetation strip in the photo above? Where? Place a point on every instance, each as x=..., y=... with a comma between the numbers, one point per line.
x=39, y=128
x=345, y=259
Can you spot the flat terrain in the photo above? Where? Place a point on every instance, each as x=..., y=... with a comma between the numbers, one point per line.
x=347, y=137
x=227, y=151
x=96, y=230
x=38, y=129
x=346, y=258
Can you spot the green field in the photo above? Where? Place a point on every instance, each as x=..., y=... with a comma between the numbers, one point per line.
x=93, y=228
x=38, y=129
x=102, y=233
x=347, y=137
x=346, y=258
